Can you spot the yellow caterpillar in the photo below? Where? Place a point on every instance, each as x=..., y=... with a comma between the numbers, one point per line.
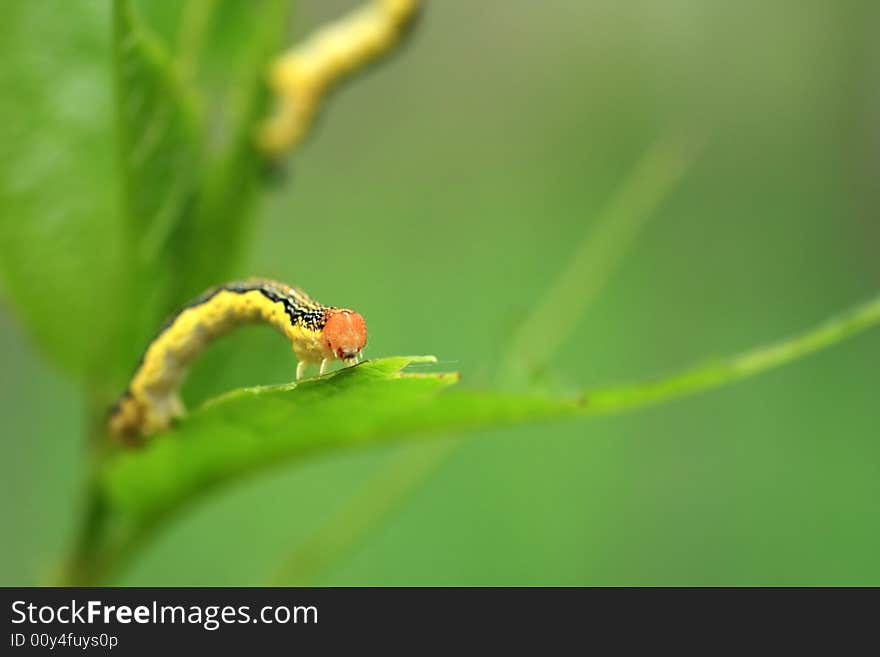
x=301, y=77
x=318, y=334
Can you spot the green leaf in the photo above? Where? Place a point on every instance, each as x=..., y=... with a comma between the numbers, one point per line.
x=247, y=430
x=232, y=80
x=111, y=216
x=254, y=428
x=186, y=133
x=59, y=237
x=159, y=142
x=158, y=133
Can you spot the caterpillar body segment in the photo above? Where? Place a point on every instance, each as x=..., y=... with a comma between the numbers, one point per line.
x=318, y=334
x=301, y=77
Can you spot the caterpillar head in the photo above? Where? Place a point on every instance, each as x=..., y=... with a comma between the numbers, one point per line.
x=344, y=334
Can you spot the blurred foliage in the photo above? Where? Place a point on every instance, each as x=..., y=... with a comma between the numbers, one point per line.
x=188, y=167
x=159, y=215
x=59, y=233
x=441, y=204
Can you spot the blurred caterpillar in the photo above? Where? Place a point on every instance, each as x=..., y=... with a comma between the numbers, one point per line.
x=301, y=77
x=318, y=334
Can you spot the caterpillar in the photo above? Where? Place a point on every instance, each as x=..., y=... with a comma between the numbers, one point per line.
x=318, y=334
x=301, y=77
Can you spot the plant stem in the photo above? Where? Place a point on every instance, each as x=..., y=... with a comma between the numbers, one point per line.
x=609, y=238
x=731, y=369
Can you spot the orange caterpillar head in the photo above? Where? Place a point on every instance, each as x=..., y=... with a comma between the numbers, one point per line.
x=344, y=334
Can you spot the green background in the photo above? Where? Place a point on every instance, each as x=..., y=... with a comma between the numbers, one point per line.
x=439, y=195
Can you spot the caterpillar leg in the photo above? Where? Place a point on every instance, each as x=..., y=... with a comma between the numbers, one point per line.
x=176, y=407
x=324, y=365
x=159, y=409
x=300, y=369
